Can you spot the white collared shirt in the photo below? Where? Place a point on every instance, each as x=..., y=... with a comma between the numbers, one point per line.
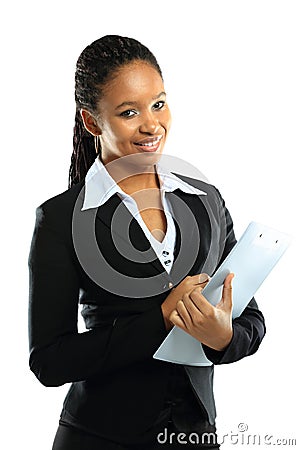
x=100, y=186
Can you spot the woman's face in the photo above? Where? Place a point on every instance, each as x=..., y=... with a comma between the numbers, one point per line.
x=133, y=116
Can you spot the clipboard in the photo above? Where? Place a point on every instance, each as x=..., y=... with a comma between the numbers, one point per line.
x=251, y=260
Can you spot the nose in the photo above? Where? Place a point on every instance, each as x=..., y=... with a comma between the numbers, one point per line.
x=149, y=124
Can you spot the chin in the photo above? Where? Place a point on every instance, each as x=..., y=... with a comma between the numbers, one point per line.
x=141, y=159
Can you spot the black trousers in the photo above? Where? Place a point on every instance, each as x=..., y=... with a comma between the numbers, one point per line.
x=69, y=438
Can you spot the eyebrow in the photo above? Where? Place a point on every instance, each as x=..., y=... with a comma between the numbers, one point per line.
x=128, y=103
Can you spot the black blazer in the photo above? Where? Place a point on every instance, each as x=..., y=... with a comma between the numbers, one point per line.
x=118, y=389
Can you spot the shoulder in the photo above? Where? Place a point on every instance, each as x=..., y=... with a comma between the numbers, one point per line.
x=59, y=208
x=65, y=198
x=211, y=191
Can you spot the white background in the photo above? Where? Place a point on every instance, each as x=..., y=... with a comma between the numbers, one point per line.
x=232, y=74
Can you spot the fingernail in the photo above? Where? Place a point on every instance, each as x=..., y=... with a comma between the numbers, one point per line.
x=203, y=277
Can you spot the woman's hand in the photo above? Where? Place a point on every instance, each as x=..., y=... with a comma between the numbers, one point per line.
x=211, y=325
x=186, y=286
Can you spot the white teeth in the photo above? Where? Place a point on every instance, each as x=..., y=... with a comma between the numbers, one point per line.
x=149, y=144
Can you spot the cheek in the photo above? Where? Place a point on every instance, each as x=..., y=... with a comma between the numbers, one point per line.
x=116, y=133
x=123, y=130
x=166, y=119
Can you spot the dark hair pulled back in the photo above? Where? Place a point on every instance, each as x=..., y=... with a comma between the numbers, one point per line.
x=95, y=67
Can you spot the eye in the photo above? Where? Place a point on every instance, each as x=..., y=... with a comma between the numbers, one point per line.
x=159, y=105
x=128, y=113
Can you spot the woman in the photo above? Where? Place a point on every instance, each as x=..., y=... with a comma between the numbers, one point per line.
x=133, y=242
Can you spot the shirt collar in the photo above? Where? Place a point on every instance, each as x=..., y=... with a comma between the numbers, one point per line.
x=100, y=186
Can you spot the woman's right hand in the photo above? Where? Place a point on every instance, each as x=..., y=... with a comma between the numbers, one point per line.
x=184, y=287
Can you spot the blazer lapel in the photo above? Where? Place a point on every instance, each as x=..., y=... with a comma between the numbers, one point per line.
x=193, y=234
x=189, y=220
x=114, y=215
x=201, y=233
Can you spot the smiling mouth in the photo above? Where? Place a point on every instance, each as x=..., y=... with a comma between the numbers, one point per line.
x=150, y=144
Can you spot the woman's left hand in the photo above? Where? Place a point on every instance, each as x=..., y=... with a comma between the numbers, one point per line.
x=211, y=325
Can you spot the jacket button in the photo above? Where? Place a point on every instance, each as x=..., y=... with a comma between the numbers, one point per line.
x=170, y=285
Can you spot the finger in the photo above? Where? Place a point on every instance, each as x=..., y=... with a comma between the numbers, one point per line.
x=228, y=280
x=177, y=320
x=226, y=300
x=203, y=278
x=200, y=279
x=200, y=301
x=183, y=313
x=194, y=312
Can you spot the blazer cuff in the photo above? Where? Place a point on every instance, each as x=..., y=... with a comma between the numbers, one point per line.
x=223, y=356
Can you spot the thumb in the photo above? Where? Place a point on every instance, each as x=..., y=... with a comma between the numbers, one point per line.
x=226, y=300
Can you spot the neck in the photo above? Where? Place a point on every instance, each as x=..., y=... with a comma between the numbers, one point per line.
x=139, y=182
x=132, y=177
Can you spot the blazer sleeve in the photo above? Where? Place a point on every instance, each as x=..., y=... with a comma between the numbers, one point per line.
x=249, y=328
x=58, y=352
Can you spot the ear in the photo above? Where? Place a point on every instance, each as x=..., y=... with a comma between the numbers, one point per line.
x=90, y=123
